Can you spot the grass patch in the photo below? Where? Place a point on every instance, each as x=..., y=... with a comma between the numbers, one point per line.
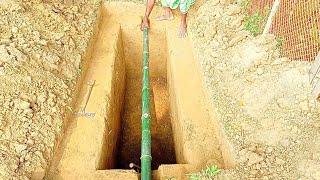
x=207, y=173
x=280, y=41
x=245, y=5
x=253, y=23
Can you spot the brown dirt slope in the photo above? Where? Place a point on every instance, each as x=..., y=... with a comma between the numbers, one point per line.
x=263, y=102
x=41, y=47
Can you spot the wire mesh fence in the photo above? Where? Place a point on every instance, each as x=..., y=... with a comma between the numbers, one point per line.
x=296, y=26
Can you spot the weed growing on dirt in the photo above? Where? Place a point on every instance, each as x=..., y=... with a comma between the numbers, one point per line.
x=207, y=173
x=315, y=35
x=79, y=71
x=280, y=41
x=245, y=5
x=253, y=23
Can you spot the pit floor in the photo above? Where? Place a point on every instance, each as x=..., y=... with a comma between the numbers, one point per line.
x=162, y=137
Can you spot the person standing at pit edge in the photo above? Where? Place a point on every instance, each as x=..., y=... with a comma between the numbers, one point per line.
x=168, y=6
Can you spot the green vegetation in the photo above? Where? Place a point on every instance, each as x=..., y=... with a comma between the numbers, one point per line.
x=315, y=36
x=245, y=5
x=207, y=173
x=79, y=70
x=280, y=41
x=253, y=23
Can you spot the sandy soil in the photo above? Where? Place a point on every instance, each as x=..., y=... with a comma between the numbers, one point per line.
x=263, y=101
x=41, y=47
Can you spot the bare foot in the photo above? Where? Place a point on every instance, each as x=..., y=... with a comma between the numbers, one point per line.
x=166, y=16
x=182, y=32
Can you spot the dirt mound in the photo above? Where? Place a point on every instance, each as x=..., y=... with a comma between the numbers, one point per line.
x=263, y=101
x=41, y=47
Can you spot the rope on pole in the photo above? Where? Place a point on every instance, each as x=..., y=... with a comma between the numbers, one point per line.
x=145, y=117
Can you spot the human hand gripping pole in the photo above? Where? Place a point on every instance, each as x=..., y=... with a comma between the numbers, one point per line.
x=145, y=23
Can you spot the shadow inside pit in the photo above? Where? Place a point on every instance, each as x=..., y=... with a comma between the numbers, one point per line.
x=129, y=150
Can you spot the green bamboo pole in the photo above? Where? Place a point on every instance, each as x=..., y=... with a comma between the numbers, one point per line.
x=145, y=118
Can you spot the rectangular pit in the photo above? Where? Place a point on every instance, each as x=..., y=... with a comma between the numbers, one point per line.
x=184, y=129
x=161, y=131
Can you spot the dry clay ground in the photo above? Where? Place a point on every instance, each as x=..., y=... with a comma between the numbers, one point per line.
x=40, y=53
x=262, y=101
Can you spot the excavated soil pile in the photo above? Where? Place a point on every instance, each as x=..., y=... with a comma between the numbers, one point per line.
x=263, y=102
x=41, y=48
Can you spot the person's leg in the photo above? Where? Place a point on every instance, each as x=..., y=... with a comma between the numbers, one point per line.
x=184, y=8
x=167, y=15
x=182, y=32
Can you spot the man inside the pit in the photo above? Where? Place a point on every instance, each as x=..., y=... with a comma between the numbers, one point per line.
x=169, y=5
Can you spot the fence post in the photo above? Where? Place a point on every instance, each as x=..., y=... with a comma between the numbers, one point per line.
x=273, y=12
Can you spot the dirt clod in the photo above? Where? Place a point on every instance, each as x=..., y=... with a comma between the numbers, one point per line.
x=37, y=51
